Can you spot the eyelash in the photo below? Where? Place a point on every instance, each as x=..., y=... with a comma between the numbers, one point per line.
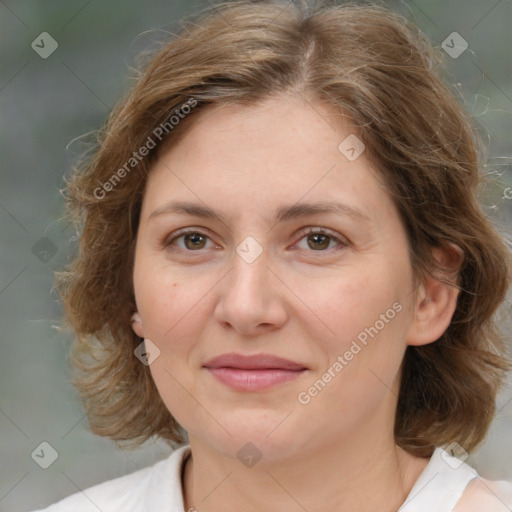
x=308, y=231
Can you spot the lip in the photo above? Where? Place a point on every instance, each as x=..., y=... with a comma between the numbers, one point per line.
x=254, y=372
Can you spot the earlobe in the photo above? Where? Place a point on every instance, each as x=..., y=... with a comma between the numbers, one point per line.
x=137, y=325
x=436, y=299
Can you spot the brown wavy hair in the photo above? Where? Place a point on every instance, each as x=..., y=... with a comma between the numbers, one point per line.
x=381, y=71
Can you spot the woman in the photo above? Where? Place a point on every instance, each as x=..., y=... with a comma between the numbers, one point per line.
x=284, y=269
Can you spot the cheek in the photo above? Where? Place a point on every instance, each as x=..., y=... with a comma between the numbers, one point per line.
x=174, y=309
x=348, y=305
x=363, y=357
x=171, y=311
x=172, y=387
x=162, y=299
x=366, y=316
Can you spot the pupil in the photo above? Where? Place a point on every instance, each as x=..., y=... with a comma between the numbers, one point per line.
x=316, y=238
x=195, y=238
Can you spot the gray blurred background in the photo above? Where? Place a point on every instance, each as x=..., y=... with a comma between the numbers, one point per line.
x=45, y=103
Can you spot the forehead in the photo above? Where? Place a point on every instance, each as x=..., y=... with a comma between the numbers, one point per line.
x=282, y=150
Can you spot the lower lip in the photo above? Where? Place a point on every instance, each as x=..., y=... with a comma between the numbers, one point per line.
x=254, y=380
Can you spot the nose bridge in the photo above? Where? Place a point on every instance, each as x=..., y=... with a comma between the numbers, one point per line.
x=249, y=297
x=249, y=277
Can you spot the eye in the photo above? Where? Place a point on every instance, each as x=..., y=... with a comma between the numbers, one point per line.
x=319, y=239
x=193, y=240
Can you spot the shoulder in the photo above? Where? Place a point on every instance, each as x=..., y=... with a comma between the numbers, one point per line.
x=106, y=496
x=128, y=492
x=488, y=495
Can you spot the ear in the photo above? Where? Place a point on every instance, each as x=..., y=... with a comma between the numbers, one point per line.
x=436, y=300
x=137, y=325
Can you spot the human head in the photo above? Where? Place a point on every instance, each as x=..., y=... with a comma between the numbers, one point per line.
x=418, y=138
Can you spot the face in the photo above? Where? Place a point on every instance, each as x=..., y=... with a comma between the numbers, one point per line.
x=277, y=324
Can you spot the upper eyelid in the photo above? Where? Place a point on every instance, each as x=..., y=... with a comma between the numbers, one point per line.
x=185, y=231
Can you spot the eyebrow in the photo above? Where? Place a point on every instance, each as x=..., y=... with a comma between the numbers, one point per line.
x=281, y=214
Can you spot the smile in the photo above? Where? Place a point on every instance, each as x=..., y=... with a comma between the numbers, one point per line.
x=253, y=373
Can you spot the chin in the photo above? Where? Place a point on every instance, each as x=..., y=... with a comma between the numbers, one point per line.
x=271, y=435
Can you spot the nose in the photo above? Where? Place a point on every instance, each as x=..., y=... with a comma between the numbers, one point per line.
x=252, y=298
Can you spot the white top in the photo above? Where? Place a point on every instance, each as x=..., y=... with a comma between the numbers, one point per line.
x=158, y=488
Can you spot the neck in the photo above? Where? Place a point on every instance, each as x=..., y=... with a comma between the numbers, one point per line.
x=357, y=476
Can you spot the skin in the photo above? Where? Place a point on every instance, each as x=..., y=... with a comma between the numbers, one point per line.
x=298, y=300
